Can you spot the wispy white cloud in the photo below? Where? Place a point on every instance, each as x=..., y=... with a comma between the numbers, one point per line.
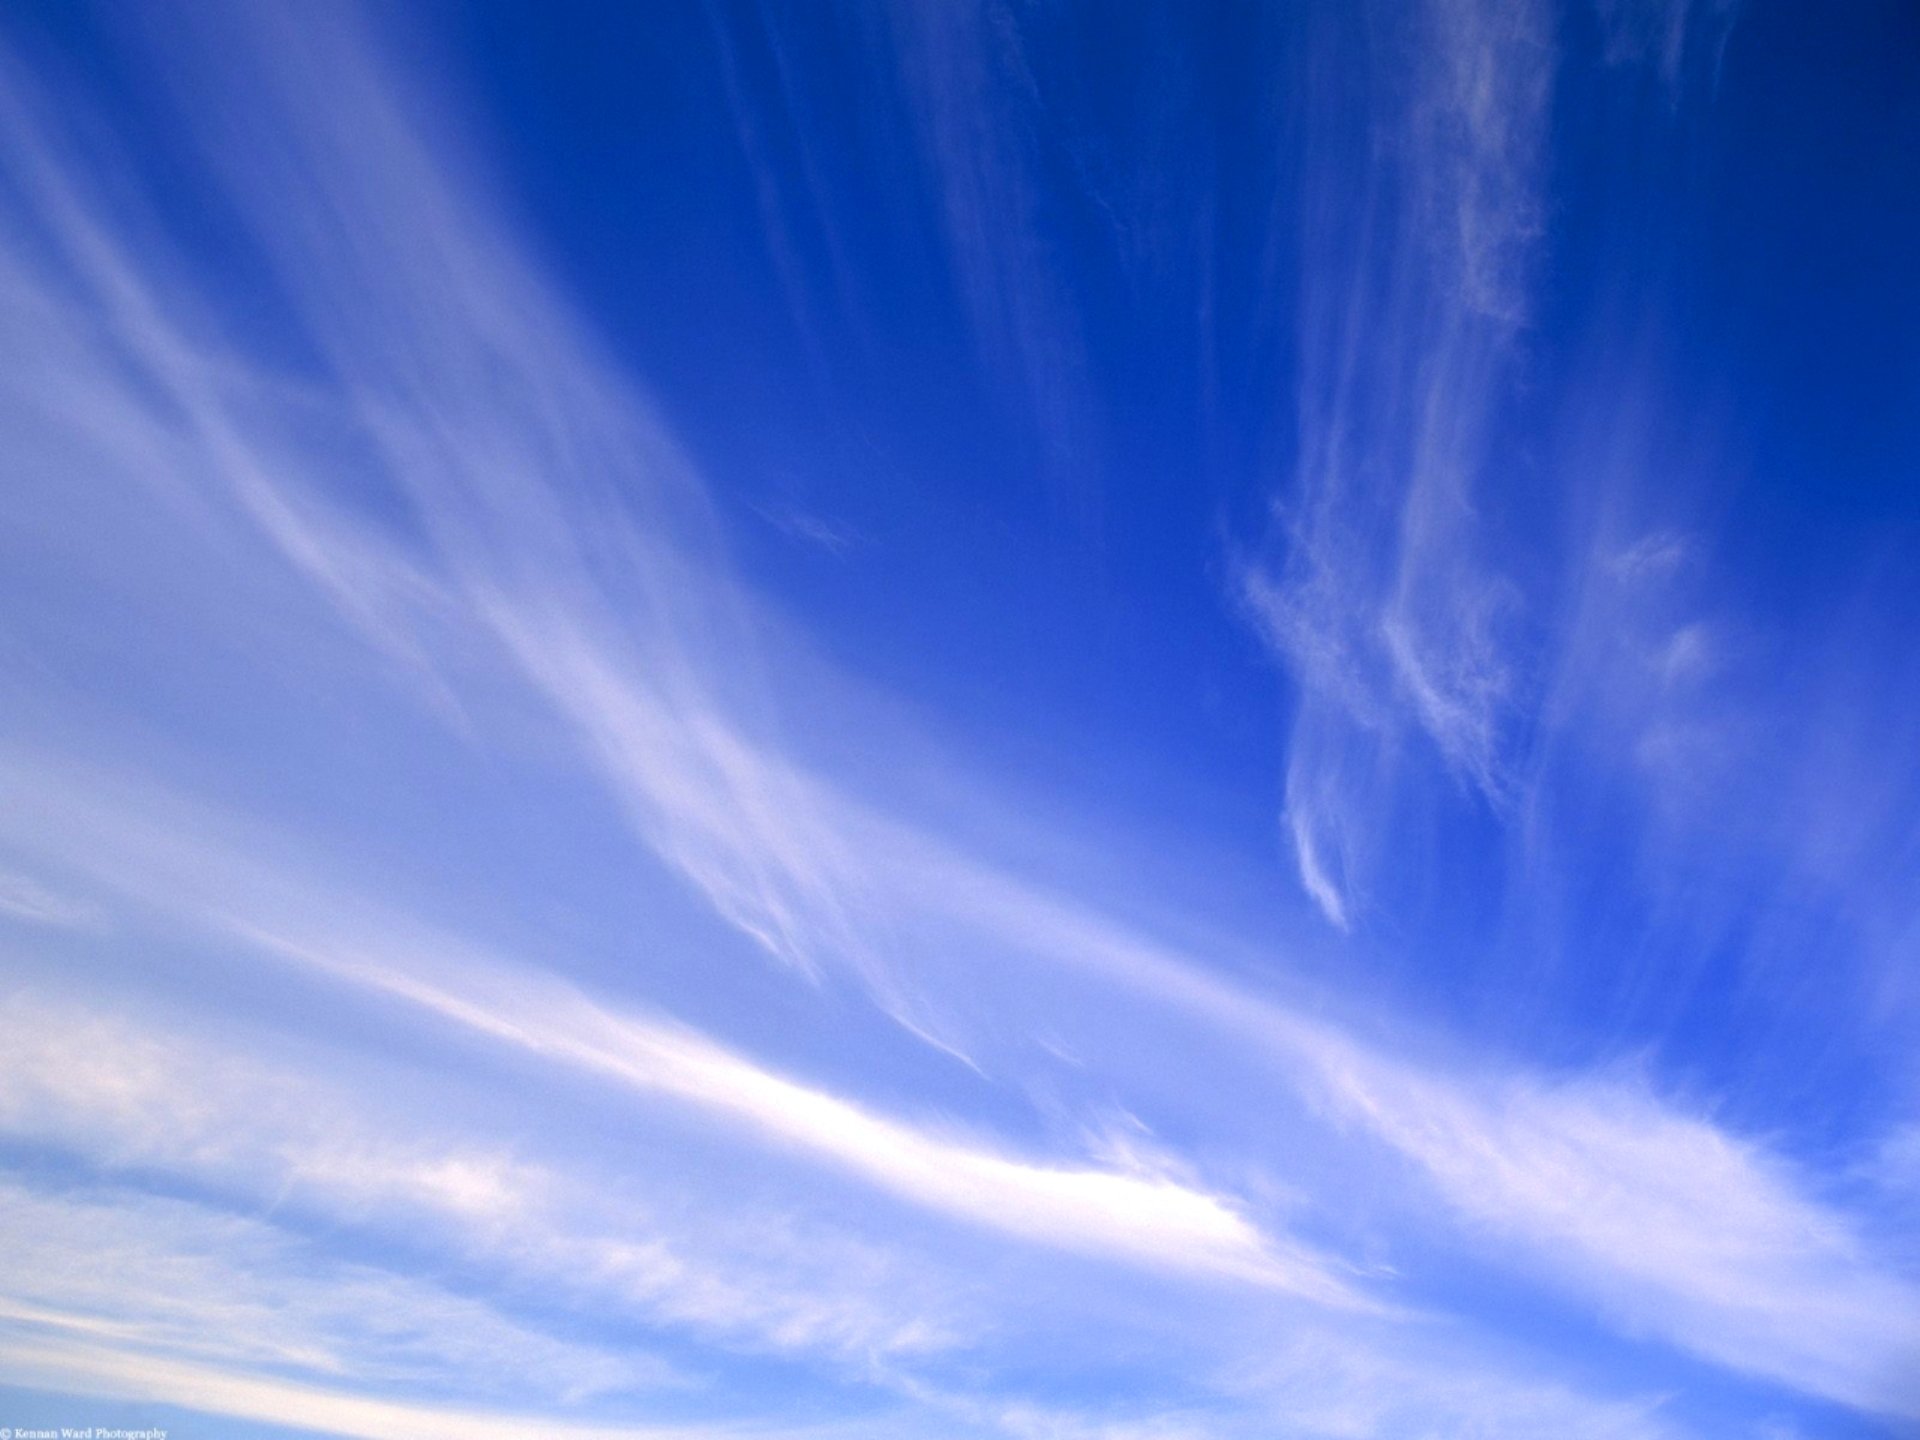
x=23, y=898
x=1139, y=1217
x=173, y=860
x=280, y=1136
x=1641, y=1206
x=172, y=1104
x=1345, y=1385
x=1669, y=35
x=1384, y=601
x=1667, y=1221
x=562, y=528
x=535, y=532
x=271, y=1400
x=832, y=536
x=1415, y=1388
x=629, y=629
x=171, y=1277
x=1664, y=1220
x=969, y=92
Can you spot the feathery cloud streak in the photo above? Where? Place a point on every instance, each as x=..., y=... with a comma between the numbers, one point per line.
x=492, y=581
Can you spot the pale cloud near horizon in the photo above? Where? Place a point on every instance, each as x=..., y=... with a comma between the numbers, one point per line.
x=279, y=1138
x=1642, y=1208
x=162, y=860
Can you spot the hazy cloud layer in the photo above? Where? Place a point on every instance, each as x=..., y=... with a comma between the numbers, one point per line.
x=483, y=956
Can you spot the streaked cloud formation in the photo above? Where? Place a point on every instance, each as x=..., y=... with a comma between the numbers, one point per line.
x=517, y=921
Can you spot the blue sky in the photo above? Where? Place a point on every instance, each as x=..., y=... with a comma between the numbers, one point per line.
x=1086, y=722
